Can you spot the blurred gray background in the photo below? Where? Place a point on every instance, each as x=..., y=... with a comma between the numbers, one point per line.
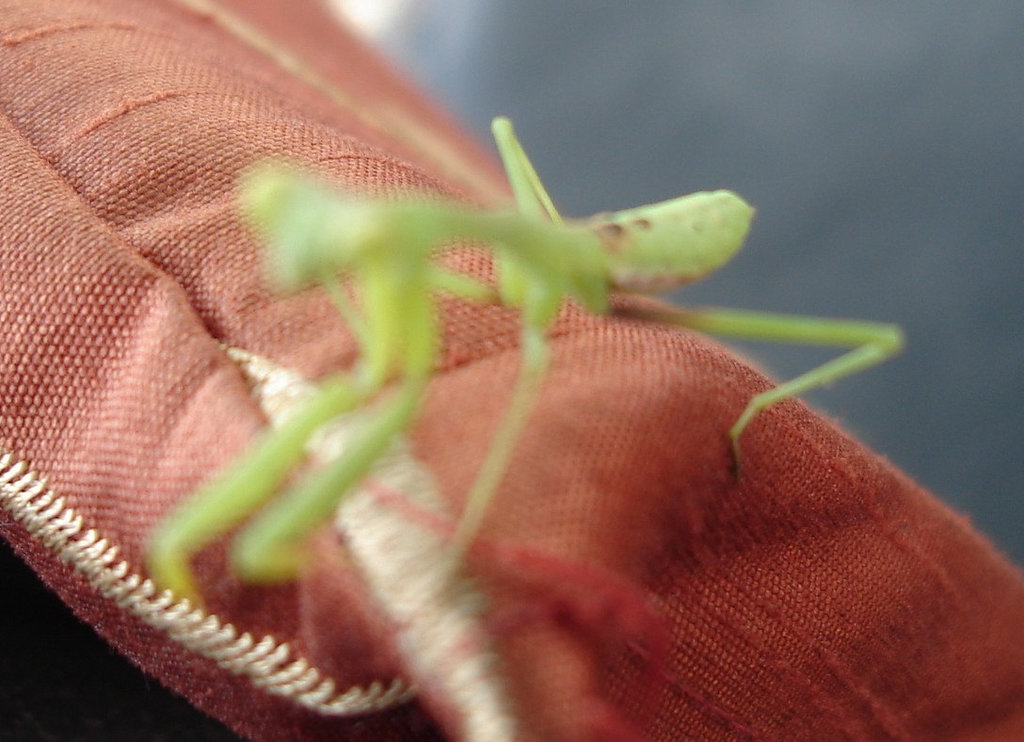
x=882, y=143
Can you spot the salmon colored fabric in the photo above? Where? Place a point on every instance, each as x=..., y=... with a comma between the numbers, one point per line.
x=629, y=588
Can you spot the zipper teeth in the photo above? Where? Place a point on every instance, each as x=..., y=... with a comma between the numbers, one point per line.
x=269, y=664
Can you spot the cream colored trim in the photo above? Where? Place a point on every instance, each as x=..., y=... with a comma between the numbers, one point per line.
x=409, y=566
x=268, y=663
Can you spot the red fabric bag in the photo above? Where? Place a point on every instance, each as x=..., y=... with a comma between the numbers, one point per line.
x=625, y=586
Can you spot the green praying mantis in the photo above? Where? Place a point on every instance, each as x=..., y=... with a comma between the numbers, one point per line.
x=386, y=251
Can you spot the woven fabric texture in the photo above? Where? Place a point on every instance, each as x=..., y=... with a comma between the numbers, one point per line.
x=630, y=588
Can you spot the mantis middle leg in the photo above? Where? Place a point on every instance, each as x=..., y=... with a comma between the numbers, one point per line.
x=539, y=305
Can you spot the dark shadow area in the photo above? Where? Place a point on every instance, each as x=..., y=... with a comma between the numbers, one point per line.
x=59, y=682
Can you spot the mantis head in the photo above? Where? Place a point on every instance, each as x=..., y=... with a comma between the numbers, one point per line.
x=662, y=246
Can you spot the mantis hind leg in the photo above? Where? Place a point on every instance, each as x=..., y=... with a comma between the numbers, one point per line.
x=849, y=363
x=872, y=343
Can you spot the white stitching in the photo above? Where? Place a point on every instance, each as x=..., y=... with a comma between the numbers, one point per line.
x=268, y=663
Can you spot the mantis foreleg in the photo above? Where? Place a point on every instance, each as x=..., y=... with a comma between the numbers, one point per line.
x=271, y=548
x=244, y=486
x=397, y=335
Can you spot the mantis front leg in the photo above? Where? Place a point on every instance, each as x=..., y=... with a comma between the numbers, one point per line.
x=247, y=483
x=272, y=548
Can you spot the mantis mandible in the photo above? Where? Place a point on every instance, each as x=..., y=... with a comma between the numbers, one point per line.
x=386, y=250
